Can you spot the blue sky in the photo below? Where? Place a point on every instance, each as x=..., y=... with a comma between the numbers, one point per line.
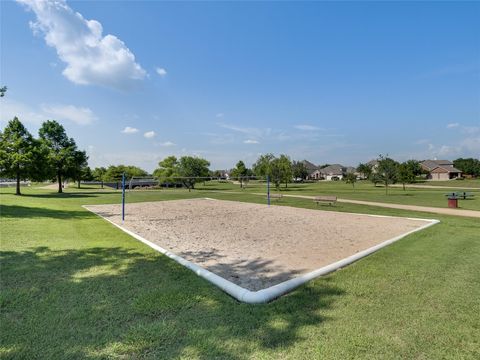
x=331, y=82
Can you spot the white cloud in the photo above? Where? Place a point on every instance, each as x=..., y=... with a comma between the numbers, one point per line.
x=250, y=141
x=78, y=115
x=307, y=127
x=59, y=112
x=245, y=130
x=167, y=144
x=91, y=58
x=470, y=130
x=452, y=125
x=161, y=71
x=149, y=134
x=129, y=130
x=25, y=113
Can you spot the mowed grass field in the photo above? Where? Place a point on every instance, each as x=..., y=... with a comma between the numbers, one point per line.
x=364, y=190
x=73, y=286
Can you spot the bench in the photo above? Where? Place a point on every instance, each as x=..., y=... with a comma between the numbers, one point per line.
x=276, y=196
x=330, y=199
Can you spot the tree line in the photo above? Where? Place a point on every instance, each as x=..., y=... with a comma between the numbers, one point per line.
x=53, y=155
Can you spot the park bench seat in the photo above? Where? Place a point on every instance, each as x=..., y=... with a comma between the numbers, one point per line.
x=330, y=199
x=276, y=196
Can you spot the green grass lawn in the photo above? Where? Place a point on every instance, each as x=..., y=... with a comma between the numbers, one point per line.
x=74, y=286
x=364, y=190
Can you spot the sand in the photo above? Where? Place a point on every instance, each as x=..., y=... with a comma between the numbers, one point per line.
x=253, y=245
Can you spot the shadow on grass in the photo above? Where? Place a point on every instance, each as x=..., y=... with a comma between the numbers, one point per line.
x=25, y=212
x=70, y=195
x=115, y=302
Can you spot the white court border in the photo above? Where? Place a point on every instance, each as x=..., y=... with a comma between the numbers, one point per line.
x=275, y=291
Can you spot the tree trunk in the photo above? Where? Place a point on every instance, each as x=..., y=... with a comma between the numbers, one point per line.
x=102, y=184
x=78, y=185
x=59, y=176
x=386, y=188
x=403, y=186
x=17, y=190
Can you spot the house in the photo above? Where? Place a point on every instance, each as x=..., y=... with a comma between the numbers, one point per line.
x=333, y=172
x=373, y=165
x=440, y=170
x=330, y=172
x=313, y=173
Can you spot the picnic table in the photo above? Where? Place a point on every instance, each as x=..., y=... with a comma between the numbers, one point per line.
x=460, y=195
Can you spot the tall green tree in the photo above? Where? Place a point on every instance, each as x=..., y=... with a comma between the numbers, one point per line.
x=262, y=166
x=350, y=178
x=285, y=169
x=98, y=174
x=17, y=152
x=387, y=171
x=167, y=170
x=61, y=149
x=188, y=170
x=299, y=170
x=115, y=172
x=408, y=172
x=469, y=166
x=3, y=90
x=78, y=166
x=241, y=172
x=191, y=169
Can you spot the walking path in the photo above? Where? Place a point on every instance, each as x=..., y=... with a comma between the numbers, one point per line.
x=436, y=187
x=443, y=211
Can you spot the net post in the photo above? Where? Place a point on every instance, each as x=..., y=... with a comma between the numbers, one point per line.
x=268, y=190
x=123, y=198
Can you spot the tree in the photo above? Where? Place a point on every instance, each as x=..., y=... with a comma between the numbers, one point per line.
x=78, y=166
x=87, y=174
x=351, y=178
x=17, y=152
x=387, y=171
x=299, y=170
x=262, y=166
x=115, y=172
x=61, y=149
x=408, y=172
x=241, y=172
x=278, y=169
x=365, y=169
x=276, y=172
x=285, y=169
x=468, y=166
x=98, y=174
x=167, y=170
x=3, y=90
x=190, y=169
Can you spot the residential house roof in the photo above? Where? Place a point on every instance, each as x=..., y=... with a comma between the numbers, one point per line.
x=446, y=169
x=335, y=169
x=429, y=165
x=309, y=165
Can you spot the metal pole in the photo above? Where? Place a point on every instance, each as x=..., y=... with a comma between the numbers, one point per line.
x=268, y=190
x=123, y=197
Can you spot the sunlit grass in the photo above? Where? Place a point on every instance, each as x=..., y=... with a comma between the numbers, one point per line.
x=74, y=286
